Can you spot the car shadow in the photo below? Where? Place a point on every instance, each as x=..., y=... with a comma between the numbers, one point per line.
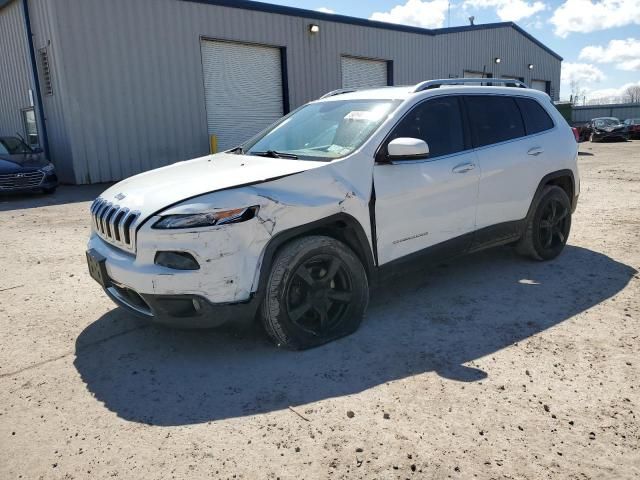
x=437, y=320
x=585, y=154
x=63, y=195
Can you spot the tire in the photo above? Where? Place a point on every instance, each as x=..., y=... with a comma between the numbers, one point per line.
x=548, y=228
x=304, y=308
x=592, y=139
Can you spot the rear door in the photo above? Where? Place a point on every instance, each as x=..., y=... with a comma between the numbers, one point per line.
x=511, y=153
x=421, y=203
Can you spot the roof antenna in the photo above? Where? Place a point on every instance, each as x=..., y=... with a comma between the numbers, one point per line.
x=471, y=20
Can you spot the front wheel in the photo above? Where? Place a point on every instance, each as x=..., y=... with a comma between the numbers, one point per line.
x=317, y=291
x=547, y=231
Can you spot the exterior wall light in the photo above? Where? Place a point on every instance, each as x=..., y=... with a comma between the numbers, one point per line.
x=530, y=66
x=314, y=28
x=497, y=60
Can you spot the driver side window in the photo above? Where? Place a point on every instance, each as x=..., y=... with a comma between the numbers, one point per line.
x=438, y=122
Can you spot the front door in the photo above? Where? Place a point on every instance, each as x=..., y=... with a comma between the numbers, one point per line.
x=421, y=203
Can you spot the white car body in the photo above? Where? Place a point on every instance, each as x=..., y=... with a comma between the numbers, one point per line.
x=417, y=203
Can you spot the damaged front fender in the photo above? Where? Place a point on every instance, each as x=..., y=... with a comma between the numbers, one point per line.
x=234, y=258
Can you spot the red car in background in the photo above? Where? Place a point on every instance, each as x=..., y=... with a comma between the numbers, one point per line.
x=633, y=127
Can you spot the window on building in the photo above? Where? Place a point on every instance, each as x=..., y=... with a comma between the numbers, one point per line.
x=494, y=119
x=438, y=122
x=31, y=127
x=536, y=119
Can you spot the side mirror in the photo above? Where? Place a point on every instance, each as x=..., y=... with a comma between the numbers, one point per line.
x=37, y=150
x=407, y=149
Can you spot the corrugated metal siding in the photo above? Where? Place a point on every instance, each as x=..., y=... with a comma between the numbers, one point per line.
x=477, y=50
x=15, y=69
x=623, y=112
x=243, y=90
x=133, y=74
x=43, y=25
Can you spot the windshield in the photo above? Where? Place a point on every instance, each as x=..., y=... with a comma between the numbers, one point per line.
x=13, y=146
x=607, y=122
x=324, y=130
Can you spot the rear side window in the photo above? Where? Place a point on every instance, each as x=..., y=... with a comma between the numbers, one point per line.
x=536, y=119
x=494, y=119
x=438, y=122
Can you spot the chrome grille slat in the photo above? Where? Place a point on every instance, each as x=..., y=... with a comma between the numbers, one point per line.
x=114, y=224
x=125, y=214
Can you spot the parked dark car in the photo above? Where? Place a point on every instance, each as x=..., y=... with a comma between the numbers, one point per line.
x=633, y=127
x=23, y=169
x=607, y=128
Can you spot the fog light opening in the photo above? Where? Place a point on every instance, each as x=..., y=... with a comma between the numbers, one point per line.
x=176, y=260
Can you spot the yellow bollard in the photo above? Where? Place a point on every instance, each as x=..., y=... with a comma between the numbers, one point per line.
x=213, y=144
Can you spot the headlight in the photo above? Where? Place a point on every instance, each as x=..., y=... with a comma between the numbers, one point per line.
x=48, y=168
x=207, y=219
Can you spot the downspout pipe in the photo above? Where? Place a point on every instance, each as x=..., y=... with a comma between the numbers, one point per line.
x=36, y=81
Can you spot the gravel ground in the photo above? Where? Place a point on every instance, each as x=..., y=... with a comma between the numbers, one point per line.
x=489, y=366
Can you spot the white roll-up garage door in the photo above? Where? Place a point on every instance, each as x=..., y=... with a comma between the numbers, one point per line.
x=539, y=85
x=362, y=73
x=243, y=90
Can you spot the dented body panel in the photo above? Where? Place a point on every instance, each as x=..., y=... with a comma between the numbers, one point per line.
x=230, y=255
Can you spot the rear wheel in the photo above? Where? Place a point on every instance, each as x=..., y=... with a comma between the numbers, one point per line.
x=548, y=228
x=317, y=291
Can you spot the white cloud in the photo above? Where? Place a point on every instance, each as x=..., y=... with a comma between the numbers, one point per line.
x=325, y=10
x=613, y=95
x=417, y=13
x=586, y=16
x=583, y=73
x=624, y=53
x=509, y=10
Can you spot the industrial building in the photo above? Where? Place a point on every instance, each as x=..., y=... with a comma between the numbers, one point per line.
x=113, y=88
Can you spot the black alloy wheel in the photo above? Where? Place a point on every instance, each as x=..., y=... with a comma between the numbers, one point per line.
x=319, y=294
x=547, y=228
x=553, y=226
x=317, y=291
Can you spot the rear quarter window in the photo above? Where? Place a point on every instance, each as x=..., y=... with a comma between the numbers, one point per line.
x=494, y=119
x=535, y=117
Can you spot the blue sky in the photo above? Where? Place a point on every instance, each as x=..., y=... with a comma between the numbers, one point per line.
x=598, y=39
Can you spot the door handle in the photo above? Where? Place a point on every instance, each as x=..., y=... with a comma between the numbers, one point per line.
x=535, y=151
x=464, y=168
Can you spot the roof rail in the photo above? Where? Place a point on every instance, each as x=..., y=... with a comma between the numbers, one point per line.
x=429, y=84
x=340, y=91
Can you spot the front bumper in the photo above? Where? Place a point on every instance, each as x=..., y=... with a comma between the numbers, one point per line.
x=621, y=135
x=181, y=311
x=219, y=292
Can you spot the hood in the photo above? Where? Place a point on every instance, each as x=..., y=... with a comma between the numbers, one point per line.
x=610, y=128
x=11, y=163
x=155, y=190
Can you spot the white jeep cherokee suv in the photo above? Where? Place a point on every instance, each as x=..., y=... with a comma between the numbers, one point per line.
x=295, y=225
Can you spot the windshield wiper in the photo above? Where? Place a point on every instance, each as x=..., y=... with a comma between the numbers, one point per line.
x=274, y=154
